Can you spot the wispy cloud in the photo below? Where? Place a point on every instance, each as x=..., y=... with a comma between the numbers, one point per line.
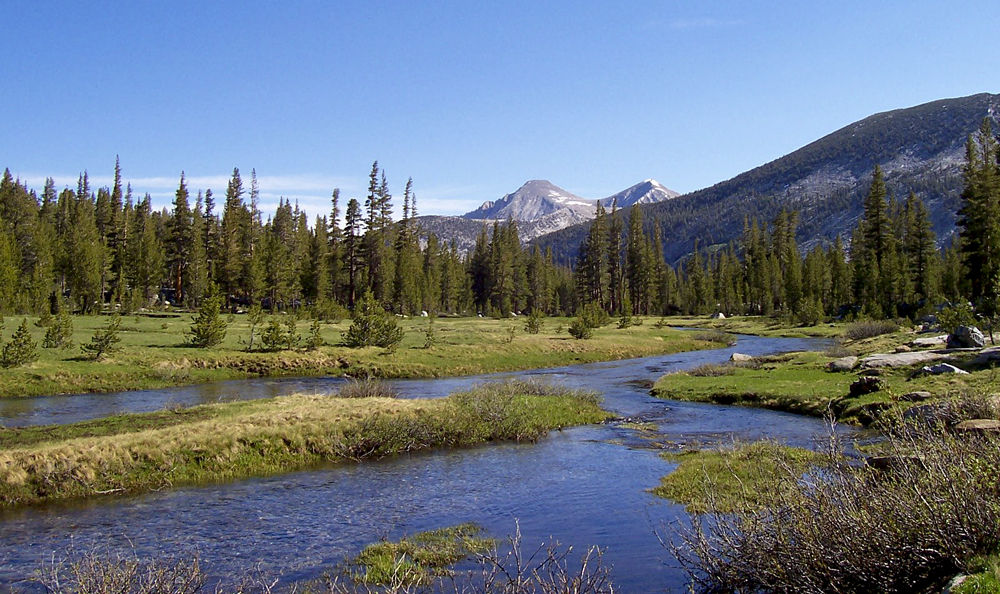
x=311, y=191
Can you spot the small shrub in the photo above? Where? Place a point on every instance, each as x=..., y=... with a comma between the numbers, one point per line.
x=59, y=334
x=291, y=335
x=594, y=315
x=625, y=318
x=579, y=330
x=315, y=339
x=713, y=370
x=367, y=388
x=535, y=321
x=430, y=335
x=21, y=350
x=810, y=312
x=870, y=329
x=45, y=320
x=104, y=341
x=273, y=336
x=510, y=334
x=716, y=336
x=953, y=316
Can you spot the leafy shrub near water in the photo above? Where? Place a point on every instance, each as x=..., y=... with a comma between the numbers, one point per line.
x=847, y=527
x=716, y=336
x=870, y=329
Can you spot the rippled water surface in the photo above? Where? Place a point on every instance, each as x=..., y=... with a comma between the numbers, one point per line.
x=582, y=486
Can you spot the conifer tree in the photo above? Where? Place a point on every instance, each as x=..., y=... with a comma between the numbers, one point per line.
x=616, y=284
x=209, y=328
x=180, y=242
x=352, y=250
x=21, y=350
x=590, y=268
x=979, y=219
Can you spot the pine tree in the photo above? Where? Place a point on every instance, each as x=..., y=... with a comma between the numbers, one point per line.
x=372, y=325
x=979, y=219
x=235, y=219
x=209, y=328
x=180, y=242
x=59, y=334
x=616, y=284
x=590, y=268
x=104, y=341
x=21, y=350
x=352, y=250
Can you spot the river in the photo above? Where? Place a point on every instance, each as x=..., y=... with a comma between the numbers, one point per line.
x=583, y=486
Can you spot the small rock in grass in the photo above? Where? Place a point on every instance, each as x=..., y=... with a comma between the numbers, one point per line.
x=916, y=396
x=842, y=364
x=740, y=358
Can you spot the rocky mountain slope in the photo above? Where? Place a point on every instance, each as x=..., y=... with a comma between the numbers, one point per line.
x=540, y=208
x=920, y=149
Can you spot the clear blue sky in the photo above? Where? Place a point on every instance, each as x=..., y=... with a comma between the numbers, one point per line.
x=470, y=99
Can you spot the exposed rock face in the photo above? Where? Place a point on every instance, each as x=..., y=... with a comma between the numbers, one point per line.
x=979, y=426
x=900, y=359
x=930, y=342
x=965, y=337
x=842, y=364
x=990, y=356
x=943, y=368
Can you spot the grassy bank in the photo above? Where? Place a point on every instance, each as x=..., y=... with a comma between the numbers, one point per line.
x=774, y=327
x=803, y=383
x=155, y=353
x=751, y=475
x=134, y=453
x=418, y=559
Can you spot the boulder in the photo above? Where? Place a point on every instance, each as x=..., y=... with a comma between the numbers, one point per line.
x=902, y=349
x=965, y=337
x=740, y=358
x=979, y=426
x=866, y=384
x=929, y=414
x=930, y=342
x=842, y=364
x=943, y=368
x=916, y=396
x=718, y=316
x=900, y=359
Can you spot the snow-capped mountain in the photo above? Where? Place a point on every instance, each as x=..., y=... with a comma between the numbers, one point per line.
x=539, y=207
x=534, y=200
x=646, y=192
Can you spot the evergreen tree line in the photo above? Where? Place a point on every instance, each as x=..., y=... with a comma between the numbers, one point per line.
x=891, y=268
x=93, y=249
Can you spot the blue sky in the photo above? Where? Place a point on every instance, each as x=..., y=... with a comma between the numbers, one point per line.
x=470, y=99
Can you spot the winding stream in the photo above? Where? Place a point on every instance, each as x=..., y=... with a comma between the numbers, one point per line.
x=582, y=486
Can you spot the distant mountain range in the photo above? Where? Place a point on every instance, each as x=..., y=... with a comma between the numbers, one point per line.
x=540, y=208
x=920, y=149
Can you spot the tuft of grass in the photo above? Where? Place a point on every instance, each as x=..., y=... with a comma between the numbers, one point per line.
x=983, y=578
x=745, y=475
x=416, y=559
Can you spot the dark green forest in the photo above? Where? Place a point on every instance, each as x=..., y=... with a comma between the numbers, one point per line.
x=90, y=250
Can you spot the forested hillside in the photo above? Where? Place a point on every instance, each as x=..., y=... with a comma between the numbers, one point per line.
x=920, y=149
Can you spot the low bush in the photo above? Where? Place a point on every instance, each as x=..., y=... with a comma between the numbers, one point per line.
x=850, y=527
x=716, y=336
x=870, y=329
x=713, y=370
